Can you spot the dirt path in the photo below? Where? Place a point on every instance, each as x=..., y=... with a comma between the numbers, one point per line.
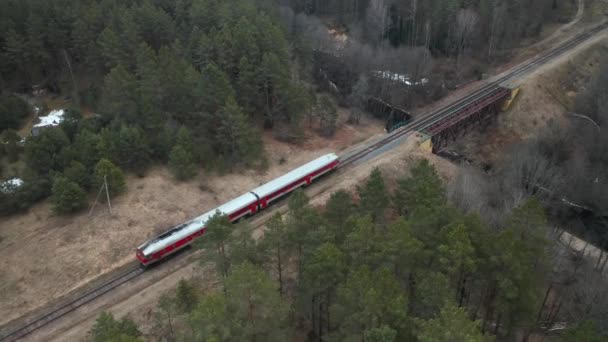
x=565, y=28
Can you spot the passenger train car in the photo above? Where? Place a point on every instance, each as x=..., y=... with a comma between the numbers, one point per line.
x=248, y=204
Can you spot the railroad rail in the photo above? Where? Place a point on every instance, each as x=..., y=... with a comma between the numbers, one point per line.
x=436, y=117
x=72, y=305
x=419, y=125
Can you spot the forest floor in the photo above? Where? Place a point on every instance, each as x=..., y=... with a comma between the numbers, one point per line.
x=77, y=249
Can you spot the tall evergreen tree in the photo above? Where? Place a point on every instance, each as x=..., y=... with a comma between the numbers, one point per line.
x=452, y=324
x=105, y=171
x=237, y=139
x=107, y=328
x=120, y=95
x=67, y=196
x=370, y=300
x=181, y=163
x=214, y=90
x=217, y=234
x=42, y=152
x=255, y=304
x=422, y=189
x=374, y=196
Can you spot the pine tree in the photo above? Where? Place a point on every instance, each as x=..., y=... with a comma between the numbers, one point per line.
x=87, y=27
x=324, y=269
x=67, y=196
x=112, y=48
x=42, y=151
x=374, y=196
x=150, y=95
x=338, y=210
x=381, y=334
x=254, y=302
x=154, y=25
x=185, y=296
x=271, y=76
x=179, y=85
x=211, y=320
x=247, y=89
x=127, y=147
x=107, y=328
x=422, y=189
x=452, y=324
x=214, y=90
x=120, y=95
x=78, y=174
x=181, y=163
x=368, y=300
x=204, y=51
x=217, y=233
x=184, y=139
x=86, y=148
x=238, y=141
x=113, y=175
x=275, y=244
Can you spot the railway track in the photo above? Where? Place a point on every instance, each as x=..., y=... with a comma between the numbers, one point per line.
x=434, y=117
x=417, y=125
x=73, y=305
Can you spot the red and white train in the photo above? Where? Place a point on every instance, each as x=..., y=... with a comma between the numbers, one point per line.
x=248, y=204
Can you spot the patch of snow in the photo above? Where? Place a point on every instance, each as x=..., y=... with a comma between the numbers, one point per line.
x=36, y=110
x=54, y=118
x=405, y=79
x=9, y=186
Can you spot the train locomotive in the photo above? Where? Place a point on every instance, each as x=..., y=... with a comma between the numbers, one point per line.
x=250, y=203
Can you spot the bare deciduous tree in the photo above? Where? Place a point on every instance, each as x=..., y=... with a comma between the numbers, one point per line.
x=464, y=30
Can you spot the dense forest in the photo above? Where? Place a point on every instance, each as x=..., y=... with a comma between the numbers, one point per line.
x=380, y=266
x=161, y=77
x=565, y=166
x=147, y=80
x=193, y=84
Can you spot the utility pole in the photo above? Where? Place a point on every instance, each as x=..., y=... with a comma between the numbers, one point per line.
x=103, y=186
x=105, y=183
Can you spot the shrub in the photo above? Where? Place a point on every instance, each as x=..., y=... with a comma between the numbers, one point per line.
x=114, y=176
x=77, y=173
x=181, y=163
x=67, y=196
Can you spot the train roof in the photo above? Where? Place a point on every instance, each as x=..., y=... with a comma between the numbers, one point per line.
x=186, y=229
x=294, y=175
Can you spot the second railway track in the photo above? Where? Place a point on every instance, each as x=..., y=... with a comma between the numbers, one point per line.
x=417, y=125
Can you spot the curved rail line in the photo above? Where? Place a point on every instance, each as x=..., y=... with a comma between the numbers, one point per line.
x=417, y=125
